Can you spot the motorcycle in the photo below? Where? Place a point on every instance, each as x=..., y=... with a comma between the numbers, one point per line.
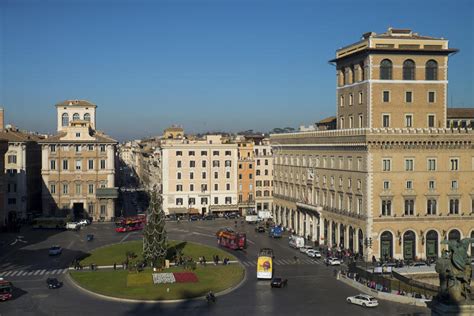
x=210, y=297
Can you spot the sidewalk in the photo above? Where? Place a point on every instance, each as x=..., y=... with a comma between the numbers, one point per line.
x=120, y=266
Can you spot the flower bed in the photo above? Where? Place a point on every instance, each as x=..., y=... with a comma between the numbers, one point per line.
x=161, y=278
x=185, y=277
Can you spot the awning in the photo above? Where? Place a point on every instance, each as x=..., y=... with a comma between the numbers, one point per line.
x=193, y=211
x=224, y=208
x=177, y=210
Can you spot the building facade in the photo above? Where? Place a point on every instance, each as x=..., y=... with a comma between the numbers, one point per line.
x=391, y=181
x=199, y=176
x=246, y=176
x=78, y=165
x=3, y=213
x=263, y=157
x=460, y=118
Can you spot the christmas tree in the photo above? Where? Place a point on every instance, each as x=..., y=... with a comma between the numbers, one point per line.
x=154, y=236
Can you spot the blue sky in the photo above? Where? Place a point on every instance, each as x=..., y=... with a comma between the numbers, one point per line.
x=207, y=65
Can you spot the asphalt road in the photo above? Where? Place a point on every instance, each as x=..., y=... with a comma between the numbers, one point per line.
x=312, y=288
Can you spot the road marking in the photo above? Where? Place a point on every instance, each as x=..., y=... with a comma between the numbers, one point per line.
x=70, y=245
x=21, y=273
x=64, y=271
x=42, y=272
x=125, y=238
x=245, y=263
x=14, y=272
x=250, y=242
x=37, y=272
x=8, y=273
x=53, y=271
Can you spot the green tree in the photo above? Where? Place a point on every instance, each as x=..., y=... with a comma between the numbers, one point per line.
x=154, y=236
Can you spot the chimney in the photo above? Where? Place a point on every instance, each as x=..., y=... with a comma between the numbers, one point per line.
x=2, y=120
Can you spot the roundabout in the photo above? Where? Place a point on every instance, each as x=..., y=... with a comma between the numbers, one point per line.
x=189, y=276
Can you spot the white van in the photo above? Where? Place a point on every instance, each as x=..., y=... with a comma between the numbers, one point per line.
x=73, y=226
x=296, y=242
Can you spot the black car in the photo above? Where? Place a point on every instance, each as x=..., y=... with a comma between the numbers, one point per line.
x=194, y=218
x=209, y=218
x=279, y=282
x=260, y=229
x=53, y=283
x=232, y=216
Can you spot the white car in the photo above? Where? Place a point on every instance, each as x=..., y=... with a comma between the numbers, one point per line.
x=363, y=300
x=333, y=261
x=84, y=222
x=313, y=253
x=73, y=226
x=55, y=250
x=304, y=249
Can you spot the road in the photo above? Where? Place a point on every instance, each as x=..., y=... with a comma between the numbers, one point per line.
x=312, y=288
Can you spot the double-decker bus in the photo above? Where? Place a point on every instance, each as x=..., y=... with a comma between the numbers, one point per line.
x=265, y=264
x=232, y=240
x=50, y=222
x=132, y=223
x=6, y=290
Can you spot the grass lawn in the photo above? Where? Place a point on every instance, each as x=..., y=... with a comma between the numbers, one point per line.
x=124, y=284
x=116, y=253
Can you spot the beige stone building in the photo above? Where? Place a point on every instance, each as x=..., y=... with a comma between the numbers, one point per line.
x=78, y=165
x=246, y=176
x=199, y=175
x=263, y=175
x=391, y=180
x=460, y=118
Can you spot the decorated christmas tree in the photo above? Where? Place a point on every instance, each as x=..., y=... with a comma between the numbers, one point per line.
x=154, y=236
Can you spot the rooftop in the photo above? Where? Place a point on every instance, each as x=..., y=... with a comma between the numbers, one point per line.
x=467, y=113
x=76, y=103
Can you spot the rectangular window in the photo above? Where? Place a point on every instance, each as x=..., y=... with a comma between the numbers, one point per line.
x=192, y=164
x=78, y=164
x=203, y=164
x=228, y=200
x=409, y=207
x=431, y=120
x=65, y=188
x=203, y=175
x=216, y=187
x=408, y=120
x=431, y=97
x=179, y=164
x=454, y=185
x=351, y=99
x=78, y=147
x=216, y=200
x=385, y=120
x=228, y=163
x=90, y=147
x=53, y=164
x=227, y=186
x=454, y=164
x=90, y=164
x=227, y=175
x=203, y=153
x=178, y=175
x=203, y=187
x=191, y=153
x=228, y=153
x=179, y=187
x=78, y=188
x=191, y=175
x=386, y=208
x=409, y=185
x=102, y=164
x=203, y=201
x=52, y=188
x=102, y=148
x=408, y=96
x=431, y=185
x=386, y=96
x=409, y=164
x=215, y=153
x=431, y=206
x=215, y=163
x=52, y=148
x=361, y=121
x=65, y=164
x=341, y=100
x=12, y=159
x=179, y=201
x=103, y=209
x=179, y=153
x=360, y=97
x=431, y=164
x=454, y=206
x=216, y=175
x=386, y=185
x=91, y=188
x=386, y=165
x=191, y=187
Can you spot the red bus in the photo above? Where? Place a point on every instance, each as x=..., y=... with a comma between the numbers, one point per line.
x=232, y=240
x=6, y=290
x=132, y=223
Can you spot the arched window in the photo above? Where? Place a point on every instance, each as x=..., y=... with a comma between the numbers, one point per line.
x=353, y=77
x=65, y=119
x=87, y=117
x=362, y=72
x=408, y=70
x=386, y=69
x=454, y=235
x=386, y=245
x=409, y=245
x=75, y=117
x=343, y=76
x=431, y=70
x=431, y=244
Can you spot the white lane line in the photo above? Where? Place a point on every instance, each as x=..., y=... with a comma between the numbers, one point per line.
x=21, y=273
x=8, y=273
x=64, y=271
x=245, y=263
x=53, y=271
x=250, y=242
x=30, y=273
x=15, y=272
x=37, y=272
x=42, y=272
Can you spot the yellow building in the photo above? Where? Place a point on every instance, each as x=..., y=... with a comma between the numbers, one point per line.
x=78, y=165
x=391, y=180
x=246, y=176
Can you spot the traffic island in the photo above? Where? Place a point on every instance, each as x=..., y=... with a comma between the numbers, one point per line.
x=174, y=283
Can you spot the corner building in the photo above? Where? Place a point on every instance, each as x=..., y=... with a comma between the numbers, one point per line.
x=78, y=165
x=391, y=181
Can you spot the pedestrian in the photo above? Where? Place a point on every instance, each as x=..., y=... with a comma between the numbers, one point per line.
x=217, y=259
x=204, y=260
x=115, y=266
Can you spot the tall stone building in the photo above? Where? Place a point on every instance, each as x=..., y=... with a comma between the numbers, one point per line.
x=78, y=165
x=3, y=213
x=263, y=175
x=391, y=180
x=199, y=175
x=246, y=176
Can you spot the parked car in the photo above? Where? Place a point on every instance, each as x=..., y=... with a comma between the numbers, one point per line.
x=260, y=229
x=313, y=253
x=420, y=264
x=363, y=300
x=194, y=218
x=332, y=261
x=209, y=217
x=231, y=216
x=55, y=250
x=279, y=282
x=89, y=237
x=84, y=222
x=54, y=283
x=304, y=249
x=73, y=226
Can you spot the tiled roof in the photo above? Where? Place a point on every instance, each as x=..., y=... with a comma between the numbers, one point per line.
x=327, y=120
x=75, y=102
x=99, y=138
x=18, y=136
x=461, y=113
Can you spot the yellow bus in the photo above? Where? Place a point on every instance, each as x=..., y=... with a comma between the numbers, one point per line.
x=265, y=264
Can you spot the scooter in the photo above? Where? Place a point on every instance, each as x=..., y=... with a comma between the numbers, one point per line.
x=210, y=297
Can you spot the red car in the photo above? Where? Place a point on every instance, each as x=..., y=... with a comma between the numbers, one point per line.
x=6, y=290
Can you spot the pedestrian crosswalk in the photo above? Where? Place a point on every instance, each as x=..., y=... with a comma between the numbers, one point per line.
x=282, y=262
x=27, y=273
